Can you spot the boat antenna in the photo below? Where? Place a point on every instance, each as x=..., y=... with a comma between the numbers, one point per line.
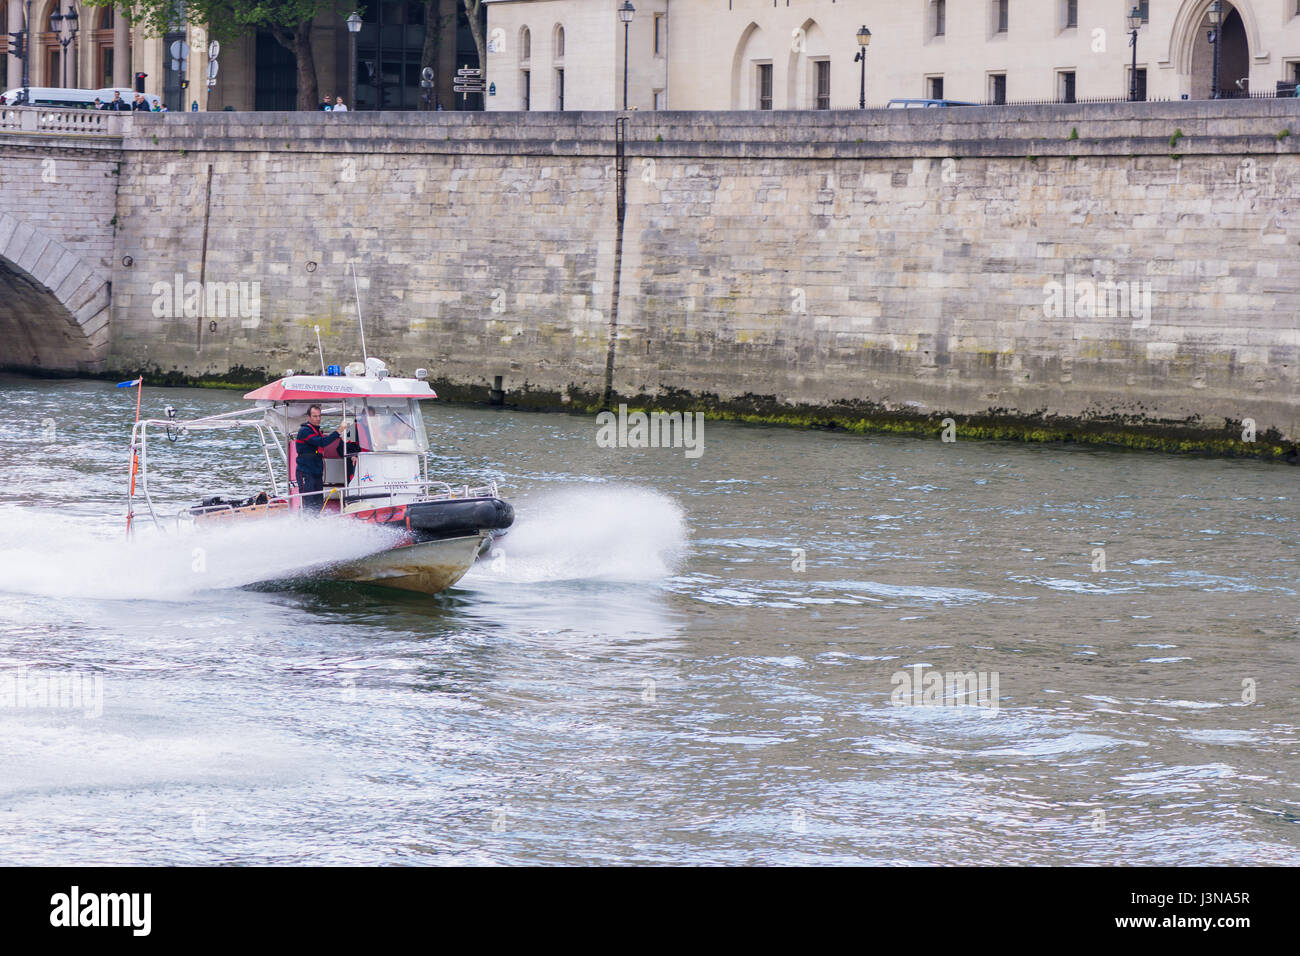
x=356, y=286
x=320, y=350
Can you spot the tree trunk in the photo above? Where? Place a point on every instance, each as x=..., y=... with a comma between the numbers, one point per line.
x=429, y=55
x=473, y=9
x=299, y=44
x=308, y=94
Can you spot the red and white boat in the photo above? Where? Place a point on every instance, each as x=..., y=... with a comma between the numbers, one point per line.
x=380, y=476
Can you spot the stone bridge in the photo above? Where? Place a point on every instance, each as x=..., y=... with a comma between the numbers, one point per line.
x=58, y=199
x=1114, y=267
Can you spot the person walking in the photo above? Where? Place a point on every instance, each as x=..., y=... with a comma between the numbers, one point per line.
x=325, y=104
x=339, y=105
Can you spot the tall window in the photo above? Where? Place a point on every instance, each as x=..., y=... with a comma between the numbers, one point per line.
x=559, y=89
x=1144, y=7
x=525, y=90
x=935, y=85
x=998, y=89
x=822, y=84
x=1065, y=84
x=559, y=43
x=390, y=47
x=659, y=99
x=1001, y=13
x=1141, y=84
x=659, y=34
x=765, y=86
x=1071, y=14
x=525, y=45
x=938, y=17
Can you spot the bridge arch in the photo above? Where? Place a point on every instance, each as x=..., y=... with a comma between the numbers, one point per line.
x=54, y=306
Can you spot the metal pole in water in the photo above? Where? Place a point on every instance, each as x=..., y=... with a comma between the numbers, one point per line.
x=357, y=287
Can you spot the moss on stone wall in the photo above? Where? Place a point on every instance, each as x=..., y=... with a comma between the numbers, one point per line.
x=1133, y=432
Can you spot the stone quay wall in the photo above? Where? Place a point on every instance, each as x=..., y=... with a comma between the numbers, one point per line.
x=1131, y=267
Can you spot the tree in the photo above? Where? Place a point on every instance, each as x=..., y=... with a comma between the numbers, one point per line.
x=477, y=28
x=434, y=24
x=289, y=21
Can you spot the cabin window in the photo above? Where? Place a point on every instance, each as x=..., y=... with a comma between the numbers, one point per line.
x=393, y=428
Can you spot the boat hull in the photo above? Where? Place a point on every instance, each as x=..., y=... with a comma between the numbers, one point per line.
x=426, y=567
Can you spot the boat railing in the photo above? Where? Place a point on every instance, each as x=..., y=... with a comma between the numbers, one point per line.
x=425, y=489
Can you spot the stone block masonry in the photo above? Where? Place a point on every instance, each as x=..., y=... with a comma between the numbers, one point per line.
x=1127, y=272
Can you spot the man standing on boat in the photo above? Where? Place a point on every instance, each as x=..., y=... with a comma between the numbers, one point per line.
x=311, y=467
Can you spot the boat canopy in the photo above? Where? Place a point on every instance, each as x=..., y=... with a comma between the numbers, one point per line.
x=317, y=388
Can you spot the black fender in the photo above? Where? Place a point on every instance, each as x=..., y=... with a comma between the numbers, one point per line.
x=456, y=517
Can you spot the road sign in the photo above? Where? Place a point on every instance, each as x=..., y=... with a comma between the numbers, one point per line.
x=212, y=69
x=468, y=89
x=180, y=50
x=466, y=71
x=214, y=50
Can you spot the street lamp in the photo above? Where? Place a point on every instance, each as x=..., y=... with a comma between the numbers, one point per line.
x=27, y=55
x=625, y=13
x=354, y=27
x=64, y=26
x=1216, y=22
x=1134, y=23
x=864, y=38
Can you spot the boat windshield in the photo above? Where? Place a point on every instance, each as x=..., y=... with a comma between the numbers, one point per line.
x=394, y=429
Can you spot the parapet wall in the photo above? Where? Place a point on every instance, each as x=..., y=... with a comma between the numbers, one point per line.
x=1122, y=265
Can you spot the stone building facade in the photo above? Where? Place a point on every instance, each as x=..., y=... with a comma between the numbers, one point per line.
x=254, y=72
x=800, y=54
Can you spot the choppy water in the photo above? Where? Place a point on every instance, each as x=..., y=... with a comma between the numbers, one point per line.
x=643, y=674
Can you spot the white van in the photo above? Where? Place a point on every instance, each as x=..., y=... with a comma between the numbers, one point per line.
x=75, y=99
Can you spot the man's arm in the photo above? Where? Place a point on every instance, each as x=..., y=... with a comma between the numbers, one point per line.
x=319, y=441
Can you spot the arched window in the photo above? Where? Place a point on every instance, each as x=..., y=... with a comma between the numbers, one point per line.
x=559, y=43
x=525, y=44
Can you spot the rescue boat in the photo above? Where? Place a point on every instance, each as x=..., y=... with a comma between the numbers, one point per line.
x=377, y=471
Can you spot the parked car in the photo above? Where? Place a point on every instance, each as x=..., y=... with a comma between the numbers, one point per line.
x=74, y=99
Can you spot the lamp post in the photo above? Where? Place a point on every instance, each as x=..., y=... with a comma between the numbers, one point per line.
x=625, y=13
x=354, y=27
x=1216, y=23
x=64, y=26
x=1134, y=23
x=27, y=55
x=864, y=38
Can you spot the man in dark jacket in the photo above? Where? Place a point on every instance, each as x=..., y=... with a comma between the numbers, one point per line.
x=311, y=467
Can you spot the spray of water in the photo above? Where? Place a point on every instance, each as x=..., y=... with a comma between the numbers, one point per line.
x=57, y=556
x=588, y=533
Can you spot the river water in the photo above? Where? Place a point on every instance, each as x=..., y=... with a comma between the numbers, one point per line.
x=668, y=660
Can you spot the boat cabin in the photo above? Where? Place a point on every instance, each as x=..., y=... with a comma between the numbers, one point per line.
x=383, y=451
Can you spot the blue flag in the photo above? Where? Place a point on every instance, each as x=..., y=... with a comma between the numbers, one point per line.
x=134, y=381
